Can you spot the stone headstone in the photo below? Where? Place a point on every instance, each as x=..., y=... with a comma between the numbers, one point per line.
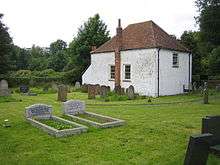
x=39, y=110
x=109, y=89
x=84, y=88
x=73, y=107
x=98, y=88
x=4, y=91
x=205, y=94
x=62, y=93
x=198, y=149
x=77, y=85
x=103, y=91
x=130, y=92
x=24, y=89
x=91, y=91
x=118, y=90
x=211, y=124
x=122, y=91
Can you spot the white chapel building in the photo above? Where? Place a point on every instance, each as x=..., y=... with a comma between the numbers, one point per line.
x=142, y=55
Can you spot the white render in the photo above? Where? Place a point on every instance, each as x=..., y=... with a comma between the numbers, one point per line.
x=144, y=71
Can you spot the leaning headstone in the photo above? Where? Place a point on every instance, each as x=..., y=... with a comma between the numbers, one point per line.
x=91, y=91
x=130, y=92
x=205, y=94
x=39, y=110
x=103, y=91
x=62, y=93
x=74, y=107
x=24, y=89
x=198, y=149
x=77, y=85
x=4, y=91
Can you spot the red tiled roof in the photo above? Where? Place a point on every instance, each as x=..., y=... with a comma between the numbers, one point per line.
x=143, y=35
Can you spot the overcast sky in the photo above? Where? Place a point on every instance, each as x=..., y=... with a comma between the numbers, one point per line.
x=41, y=22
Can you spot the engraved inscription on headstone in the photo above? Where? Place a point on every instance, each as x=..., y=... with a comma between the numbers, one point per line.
x=39, y=110
x=74, y=107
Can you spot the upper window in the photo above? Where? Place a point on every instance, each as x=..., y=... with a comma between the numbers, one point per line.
x=112, y=72
x=175, y=60
x=127, y=72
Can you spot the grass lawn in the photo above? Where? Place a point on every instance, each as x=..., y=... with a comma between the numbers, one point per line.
x=155, y=133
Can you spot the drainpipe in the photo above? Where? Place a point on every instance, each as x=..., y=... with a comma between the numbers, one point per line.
x=158, y=72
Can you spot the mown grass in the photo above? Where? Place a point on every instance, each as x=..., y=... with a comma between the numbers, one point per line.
x=155, y=133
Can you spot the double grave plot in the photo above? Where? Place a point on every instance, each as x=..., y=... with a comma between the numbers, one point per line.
x=40, y=115
x=75, y=109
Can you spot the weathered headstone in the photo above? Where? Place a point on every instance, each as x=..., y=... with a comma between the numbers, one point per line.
x=84, y=88
x=39, y=110
x=77, y=85
x=130, y=92
x=4, y=91
x=24, y=89
x=103, y=91
x=74, y=107
x=205, y=94
x=91, y=91
x=122, y=91
x=198, y=149
x=62, y=93
x=97, y=86
x=108, y=88
x=118, y=90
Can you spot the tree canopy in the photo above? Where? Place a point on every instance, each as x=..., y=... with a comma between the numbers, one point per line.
x=5, y=47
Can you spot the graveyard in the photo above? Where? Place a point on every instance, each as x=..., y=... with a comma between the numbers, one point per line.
x=155, y=132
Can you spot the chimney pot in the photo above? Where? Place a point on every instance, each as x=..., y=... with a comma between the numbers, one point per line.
x=93, y=48
x=119, y=22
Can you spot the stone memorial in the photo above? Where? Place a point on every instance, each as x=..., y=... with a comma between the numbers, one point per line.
x=130, y=92
x=54, y=86
x=62, y=93
x=198, y=149
x=24, y=89
x=103, y=91
x=91, y=91
x=211, y=124
x=74, y=107
x=84, y=88
x=39, y=110
x=77, y=85
x=97, y=86
x=205, y=94
x=4, y=91
x=36, y=113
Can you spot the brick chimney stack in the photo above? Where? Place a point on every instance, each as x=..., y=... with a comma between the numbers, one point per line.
x=118, y=58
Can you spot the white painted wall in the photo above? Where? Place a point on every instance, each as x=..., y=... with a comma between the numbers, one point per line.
x=99, y=70
x=143, y=71
x=173, y=79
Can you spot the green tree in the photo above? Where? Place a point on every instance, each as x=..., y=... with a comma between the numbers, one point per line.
x=57, y=46
x=209, y=20
x=93, y=33
x=190, y=40
x=5, y=47
x=214, y=61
